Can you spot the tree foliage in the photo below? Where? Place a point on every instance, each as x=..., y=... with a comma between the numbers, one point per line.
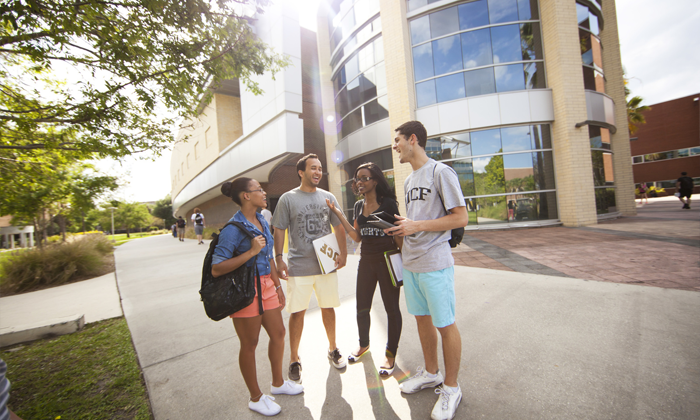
x=163, y=209
x=89, y=76
x=635, y=109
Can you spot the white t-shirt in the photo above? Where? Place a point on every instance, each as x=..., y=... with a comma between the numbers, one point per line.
x=267, y=214
x=194, y=217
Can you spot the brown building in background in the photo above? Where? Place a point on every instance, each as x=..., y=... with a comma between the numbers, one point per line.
x=668, y=144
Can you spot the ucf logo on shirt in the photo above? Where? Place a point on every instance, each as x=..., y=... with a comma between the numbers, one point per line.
x=417, y=194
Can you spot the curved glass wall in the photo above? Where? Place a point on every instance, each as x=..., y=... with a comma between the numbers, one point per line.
x=368, y=31
x=344, y=15
x=477, y=48
x=603, y=175
x=506, y=174
x=360, y=86
x=591, y=49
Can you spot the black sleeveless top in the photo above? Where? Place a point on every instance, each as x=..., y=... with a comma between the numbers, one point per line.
x=374, y=240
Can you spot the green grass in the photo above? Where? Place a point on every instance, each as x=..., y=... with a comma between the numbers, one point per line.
x=90, y=374
x=120, y=238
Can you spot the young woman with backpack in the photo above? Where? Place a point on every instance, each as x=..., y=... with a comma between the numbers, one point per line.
x=248, y=194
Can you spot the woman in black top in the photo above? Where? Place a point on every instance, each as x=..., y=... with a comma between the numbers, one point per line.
x=378, y=196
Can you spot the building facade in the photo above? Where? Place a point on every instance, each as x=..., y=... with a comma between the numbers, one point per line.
x=668, y=144
x=523, y=98
x=261, y=137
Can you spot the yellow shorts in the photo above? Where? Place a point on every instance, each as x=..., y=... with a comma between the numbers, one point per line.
x=299, y=291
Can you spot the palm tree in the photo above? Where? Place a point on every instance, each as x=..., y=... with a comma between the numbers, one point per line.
x=634, y=107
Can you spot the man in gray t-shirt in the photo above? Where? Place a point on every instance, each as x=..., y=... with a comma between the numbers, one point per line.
x=303, y=212
x=434, y=206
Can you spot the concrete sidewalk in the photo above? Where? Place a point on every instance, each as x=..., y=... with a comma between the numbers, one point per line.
x=534, y=346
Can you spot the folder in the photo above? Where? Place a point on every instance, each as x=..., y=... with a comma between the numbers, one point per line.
x=327, y=252
x=395, y=265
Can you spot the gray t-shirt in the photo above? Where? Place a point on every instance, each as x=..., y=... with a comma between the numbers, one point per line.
x=307, y=217
x=424, y=252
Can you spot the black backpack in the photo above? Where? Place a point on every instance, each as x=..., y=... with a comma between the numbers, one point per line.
x=198, y=219
x=181, y=223
x=224, y=295
x=457, y=233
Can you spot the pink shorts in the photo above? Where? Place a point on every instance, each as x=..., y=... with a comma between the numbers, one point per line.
x=270, y=300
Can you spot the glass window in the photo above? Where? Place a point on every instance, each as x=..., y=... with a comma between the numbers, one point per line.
x=694, y=151
x=523, y=207
x=486, y=142
x=378, y=50
x=465, y=174
x=684, y=153
x=423, y=61
x=364, y=9
x=342, y=102
x=582, y=15
x=416, y=4
x=527, y=9
x=488, y=175
x=420, y=29
x=376, y=110
x=353, y=89
x=366, y=57
x=593, y=23
x=602, y=168
x=605, y=200
x=450, y=87
x=351, y=123
x=473, y=14
x=543, y=169
x=534, y=76
x=509, y=78
x=368, y=85
x=518, y=172
x=530, y=41
x=479, y=82
x=637, y=159
x=541, y=137
x=506, y=44
x=503, y=11
x=447, y=55
x=476, y=48
x=490, y=210
x=348, y=23
x=515, y=139
x=425, y=93
x=444, y=22
x=381, y=79
x=352, y=68
x=454, y=146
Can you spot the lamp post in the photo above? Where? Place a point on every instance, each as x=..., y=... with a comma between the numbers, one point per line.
x=112, y=209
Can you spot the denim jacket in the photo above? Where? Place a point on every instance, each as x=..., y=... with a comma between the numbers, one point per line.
x=232, y=239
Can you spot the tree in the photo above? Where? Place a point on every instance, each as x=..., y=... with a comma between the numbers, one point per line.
x=163, y=209
x=635, y=109
x=124, y=59
x=131, y=215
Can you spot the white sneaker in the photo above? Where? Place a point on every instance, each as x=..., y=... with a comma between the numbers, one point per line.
x=420, y=381
x=337, y=359
x=288, y=387
x=266, y=406
x=447, y=403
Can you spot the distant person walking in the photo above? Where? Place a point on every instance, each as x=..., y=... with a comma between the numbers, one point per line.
x=181, y=223
x=684, y=186
x=369, y=182
x=249, y=196
x=434, y=206
x=198, y=220
x=643, y=193
x=304, y=212
x=174, y=229
x=267, y=214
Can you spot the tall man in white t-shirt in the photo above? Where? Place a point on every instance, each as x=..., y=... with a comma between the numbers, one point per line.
x=434, y=206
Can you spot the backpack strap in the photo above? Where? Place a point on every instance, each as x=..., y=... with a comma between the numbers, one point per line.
x=250, y=234
x=438, y=189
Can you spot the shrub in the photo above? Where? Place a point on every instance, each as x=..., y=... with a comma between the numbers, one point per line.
x=55, y=264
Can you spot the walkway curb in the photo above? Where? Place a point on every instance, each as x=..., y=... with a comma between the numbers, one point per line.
x=52, y=328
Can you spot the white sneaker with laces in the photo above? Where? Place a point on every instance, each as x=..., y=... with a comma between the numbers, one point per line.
x=288, y=387
x=420, y=381
x=266, y=406
x=447, y=403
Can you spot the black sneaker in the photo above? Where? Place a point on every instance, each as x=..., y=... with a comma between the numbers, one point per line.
x=337, y=359
x=295, y=372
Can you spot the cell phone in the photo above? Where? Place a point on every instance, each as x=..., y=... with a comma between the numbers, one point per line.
x=385, y=216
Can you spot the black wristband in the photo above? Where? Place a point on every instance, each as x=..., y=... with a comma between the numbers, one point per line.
x=278, y=255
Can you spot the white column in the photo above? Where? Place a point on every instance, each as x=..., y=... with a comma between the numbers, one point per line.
x=22, y=240
x=12, y=241
x=31, y=239
x=4, y=240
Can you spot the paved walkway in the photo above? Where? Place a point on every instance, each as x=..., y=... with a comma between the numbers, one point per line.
x=554, y=346
x=658, y=247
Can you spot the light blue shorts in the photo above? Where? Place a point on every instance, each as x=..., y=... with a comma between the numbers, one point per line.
x=431, y=294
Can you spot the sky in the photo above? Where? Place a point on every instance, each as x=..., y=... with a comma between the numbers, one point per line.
x=658, y=42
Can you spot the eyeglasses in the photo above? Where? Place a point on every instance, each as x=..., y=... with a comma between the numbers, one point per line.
x=363, y=179
x=259, y=189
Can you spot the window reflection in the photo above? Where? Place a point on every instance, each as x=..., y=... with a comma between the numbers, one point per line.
x=444, y=22
x=450, y=87
x=506, y=44
x=527, y=9
x=480, y=82
x=473, y=14
x=476, y=48
x=534, y=75
x=605, y=200
x=420, y=29
x=515, y=139
x=425, y=93
x=490, y=210
x=423, y=61
x=503, y=11
x=486, y=142
x=447, y=55
x=509, y=78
